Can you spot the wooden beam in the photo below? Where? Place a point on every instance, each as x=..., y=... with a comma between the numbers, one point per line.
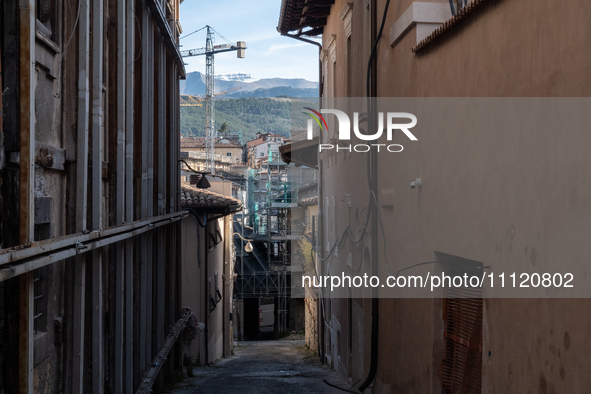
x=150, y=183
x=168, y=34
x=315, y=23
x=120, y=248
x=152, y=372
x=129, y=191
x=82, y=132
x=26, y=187
x=312, y=32
x=27, y=120
x=317, y=12
x=97, y=193
x=160, y=245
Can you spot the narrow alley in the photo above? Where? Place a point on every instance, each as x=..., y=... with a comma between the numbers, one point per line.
x=284, y=366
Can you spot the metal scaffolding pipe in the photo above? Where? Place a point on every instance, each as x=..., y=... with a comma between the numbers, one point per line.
x=83, y=243
x=129, y=197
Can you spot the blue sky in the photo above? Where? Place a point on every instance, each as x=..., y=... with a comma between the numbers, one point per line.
x=268, y=55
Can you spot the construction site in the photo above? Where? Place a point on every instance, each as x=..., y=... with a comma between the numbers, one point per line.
x=273, y=222
x=268, y=229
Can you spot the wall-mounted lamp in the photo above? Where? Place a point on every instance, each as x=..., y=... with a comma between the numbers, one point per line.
x=248, y=247
x=203, y=183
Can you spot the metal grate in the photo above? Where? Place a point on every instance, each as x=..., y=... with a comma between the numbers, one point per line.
x=461, y=368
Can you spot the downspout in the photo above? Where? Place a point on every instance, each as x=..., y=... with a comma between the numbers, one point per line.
x=205, y=287
x=373, y=183
x=205, y=311
x=206, y=296
x=1, y=115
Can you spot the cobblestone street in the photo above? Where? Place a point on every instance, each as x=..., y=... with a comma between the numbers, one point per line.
x=263, y=367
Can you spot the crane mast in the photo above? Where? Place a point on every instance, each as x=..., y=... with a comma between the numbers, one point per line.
x=209, y=51
x=210, y=132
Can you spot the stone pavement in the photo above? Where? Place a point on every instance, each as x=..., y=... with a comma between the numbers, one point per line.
x=284, y=367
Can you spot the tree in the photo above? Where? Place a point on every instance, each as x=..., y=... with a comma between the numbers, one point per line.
x=224, y=128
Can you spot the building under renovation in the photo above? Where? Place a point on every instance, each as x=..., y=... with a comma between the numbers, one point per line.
x=89, y=203
x=274, y=223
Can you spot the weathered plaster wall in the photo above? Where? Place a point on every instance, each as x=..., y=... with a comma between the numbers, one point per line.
x=508, y=48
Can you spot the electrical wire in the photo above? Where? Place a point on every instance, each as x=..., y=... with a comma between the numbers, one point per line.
x=375, y=313
x=191, y=169
x=196, y=216
x=63, y=54
x=339, y=388
x=455, y=265
x=73, y=30
x=139, y=30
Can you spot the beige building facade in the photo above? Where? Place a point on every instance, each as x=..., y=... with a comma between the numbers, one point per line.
x=527, y=218
x=228, y=149
x=208, y=265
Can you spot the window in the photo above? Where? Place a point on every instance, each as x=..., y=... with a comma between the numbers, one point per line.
x=229, y=154
x=461, y=368
x=334, y=79
x=349, y=67
x=218, y=294
x=212, y=303
x=461, y=311
x=262, y=154
x=46, y=18
x=215, y=237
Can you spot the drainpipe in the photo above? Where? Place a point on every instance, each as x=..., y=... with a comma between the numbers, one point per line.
x=206, y=295
x=320, y=85
x=1, y=115
x=373, y=184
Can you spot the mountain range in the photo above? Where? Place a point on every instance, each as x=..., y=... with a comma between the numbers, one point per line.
x=250, y=87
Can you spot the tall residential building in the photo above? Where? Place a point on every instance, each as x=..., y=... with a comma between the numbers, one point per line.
x=90, y=206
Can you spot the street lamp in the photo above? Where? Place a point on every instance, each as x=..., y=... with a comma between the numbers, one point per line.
x=248, y=246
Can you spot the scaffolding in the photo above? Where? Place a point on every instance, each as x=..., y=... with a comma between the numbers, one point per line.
x=272, y=220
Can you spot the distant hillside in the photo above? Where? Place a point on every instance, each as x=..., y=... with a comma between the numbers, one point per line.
x=250, y=115
x=195, y=84
x=274, y=92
